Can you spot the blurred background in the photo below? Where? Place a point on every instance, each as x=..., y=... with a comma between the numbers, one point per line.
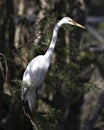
x=72, y=96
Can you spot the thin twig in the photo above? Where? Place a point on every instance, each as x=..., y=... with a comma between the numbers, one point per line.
x=95, y=34
x=31, y=40
x=13, y=52
x=5, y=76
x=6, y=68
x=32, y=122
x=89, y=124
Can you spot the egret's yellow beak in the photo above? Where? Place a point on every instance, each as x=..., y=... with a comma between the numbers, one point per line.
x=76, y=24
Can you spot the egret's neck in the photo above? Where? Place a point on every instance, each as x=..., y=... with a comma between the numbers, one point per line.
x=51, y=48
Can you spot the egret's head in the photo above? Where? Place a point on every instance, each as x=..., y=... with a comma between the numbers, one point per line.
x=68, y=20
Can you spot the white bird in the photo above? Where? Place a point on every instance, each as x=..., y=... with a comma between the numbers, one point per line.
x=37, y=69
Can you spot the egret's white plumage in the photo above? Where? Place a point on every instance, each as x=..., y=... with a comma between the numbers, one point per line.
x=37, y=69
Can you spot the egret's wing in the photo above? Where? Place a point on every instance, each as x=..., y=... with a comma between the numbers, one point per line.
x=32, y=70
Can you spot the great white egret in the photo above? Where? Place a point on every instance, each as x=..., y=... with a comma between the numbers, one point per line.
x=37, y=69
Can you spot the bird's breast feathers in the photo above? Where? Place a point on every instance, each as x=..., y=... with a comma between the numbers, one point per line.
x=36, y=70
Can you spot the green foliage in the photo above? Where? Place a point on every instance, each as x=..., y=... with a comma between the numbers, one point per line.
x=89, y=86
x=47, y=120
